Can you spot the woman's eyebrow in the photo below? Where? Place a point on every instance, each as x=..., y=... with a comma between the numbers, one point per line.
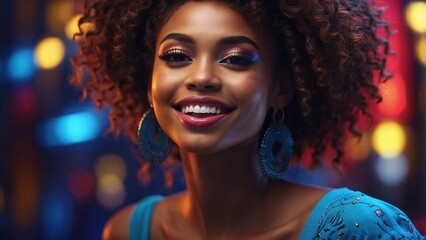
x=180, y=37
x=232, y=40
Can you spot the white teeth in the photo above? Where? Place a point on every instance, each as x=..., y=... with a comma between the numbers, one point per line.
x=201, y=109
x=196, y=109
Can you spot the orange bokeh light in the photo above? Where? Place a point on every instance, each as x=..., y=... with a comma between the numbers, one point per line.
x=394, y=95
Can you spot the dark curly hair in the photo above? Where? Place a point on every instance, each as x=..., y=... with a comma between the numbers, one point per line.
x=331, y=50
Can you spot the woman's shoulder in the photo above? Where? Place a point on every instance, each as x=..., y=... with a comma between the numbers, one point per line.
x=343, y=213
x=117, y=226
x=124, y=223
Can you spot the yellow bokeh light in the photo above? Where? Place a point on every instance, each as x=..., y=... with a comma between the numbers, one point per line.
x=72, y=27
x=421, y=49
x=415, y=15
x=110, y=164
x=49, y=53
x=389, y=139
x=110, y=184
x=111, y=192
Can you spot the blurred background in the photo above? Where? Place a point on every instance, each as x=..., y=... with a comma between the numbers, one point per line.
x=61, y=176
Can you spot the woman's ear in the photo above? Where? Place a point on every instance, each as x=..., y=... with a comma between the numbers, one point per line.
x=282, y=91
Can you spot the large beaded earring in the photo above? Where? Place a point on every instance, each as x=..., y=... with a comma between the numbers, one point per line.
x=276, y=148
x=154, y=144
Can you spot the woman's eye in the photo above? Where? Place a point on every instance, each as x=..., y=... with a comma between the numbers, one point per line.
x=175, y=56
x=242, y=60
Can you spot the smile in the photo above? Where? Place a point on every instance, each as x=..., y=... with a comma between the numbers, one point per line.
x=201, y=111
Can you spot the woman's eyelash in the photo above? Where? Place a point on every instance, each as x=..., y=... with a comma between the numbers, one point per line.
x=175, y=55
x=240, y=59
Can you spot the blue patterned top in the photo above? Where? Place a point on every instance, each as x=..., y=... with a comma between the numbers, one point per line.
x=340, y=214
x=347, y=214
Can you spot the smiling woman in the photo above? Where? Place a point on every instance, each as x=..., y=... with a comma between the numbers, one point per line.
x=240, y=88
x=223, y=68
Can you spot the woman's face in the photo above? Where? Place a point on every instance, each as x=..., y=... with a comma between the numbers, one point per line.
x=212, y=80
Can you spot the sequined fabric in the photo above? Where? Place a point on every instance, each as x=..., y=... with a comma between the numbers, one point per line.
x=347, y=214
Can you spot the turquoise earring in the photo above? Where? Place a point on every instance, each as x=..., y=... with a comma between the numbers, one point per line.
x=154, y=145
x=276, y=148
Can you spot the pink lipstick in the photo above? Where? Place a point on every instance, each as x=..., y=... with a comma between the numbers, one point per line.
x=202, y=111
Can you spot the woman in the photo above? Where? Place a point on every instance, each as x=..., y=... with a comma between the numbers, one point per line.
x=240, y=87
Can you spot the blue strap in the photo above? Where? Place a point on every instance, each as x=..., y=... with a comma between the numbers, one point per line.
x=140, y=222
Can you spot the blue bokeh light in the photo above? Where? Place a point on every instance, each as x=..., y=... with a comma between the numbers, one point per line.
x=56, y=215
x=392, y=171
x=21, y=65
x=69, y=129
x=1, y=70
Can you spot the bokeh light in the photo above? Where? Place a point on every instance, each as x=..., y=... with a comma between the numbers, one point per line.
x=56, y=216
x=72, y=26
x=391, y=171
x=415, y=15
x=23, y=103
x=389, y=139
x=81, y=183
x=110, y=192
x=21, y=65
x=421, y=49
x=394, y=95
x=49, y=52
x=57, y=14
x=69, y=129
x=110, y=164
x=110, y=171
x=359, y=149
x=25, y=182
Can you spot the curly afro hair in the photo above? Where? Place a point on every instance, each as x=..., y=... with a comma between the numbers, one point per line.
x=331, y=50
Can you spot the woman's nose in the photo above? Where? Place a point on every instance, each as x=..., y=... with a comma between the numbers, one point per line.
x=203, y=77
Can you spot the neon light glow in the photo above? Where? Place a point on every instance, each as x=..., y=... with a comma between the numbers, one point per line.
x=21, y=65
x=69, y=129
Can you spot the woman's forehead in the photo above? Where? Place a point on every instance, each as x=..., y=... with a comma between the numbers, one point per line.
x=207, y=19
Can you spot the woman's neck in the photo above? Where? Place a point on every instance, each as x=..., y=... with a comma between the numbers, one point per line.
x=223, y=188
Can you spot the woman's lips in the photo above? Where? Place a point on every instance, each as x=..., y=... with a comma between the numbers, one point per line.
x=201, y=122
x=202, y=111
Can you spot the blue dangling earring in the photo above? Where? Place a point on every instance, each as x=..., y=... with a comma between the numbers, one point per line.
x=155, y=146
x=276, y=149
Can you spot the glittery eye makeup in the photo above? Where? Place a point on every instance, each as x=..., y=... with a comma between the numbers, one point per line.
x=234, y=52
x=240, y=58
x=175, y=55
